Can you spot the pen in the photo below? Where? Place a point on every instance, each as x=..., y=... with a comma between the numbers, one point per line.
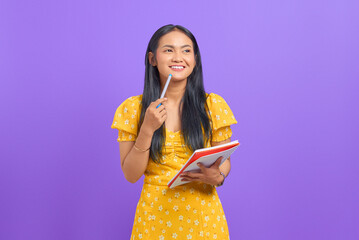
x=165, y=88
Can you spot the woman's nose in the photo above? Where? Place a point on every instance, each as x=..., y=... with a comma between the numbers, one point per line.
x=177, y=57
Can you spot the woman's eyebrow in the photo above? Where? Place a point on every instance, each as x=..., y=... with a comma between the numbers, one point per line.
x=171, y=46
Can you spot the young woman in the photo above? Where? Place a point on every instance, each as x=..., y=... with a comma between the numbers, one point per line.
x=157, y=141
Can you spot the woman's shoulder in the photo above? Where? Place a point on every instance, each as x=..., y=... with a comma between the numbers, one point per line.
x=214, y=99
x=221, y=114
x=127, y=114
x=132, y=101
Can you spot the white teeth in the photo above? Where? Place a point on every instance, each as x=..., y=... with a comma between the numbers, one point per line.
x=177, y=67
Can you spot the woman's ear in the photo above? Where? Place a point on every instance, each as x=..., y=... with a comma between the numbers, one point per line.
x=151, y=59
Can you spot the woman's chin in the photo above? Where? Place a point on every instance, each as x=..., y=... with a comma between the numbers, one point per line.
x=179, y=76
x=178, y=80
x=176, y=77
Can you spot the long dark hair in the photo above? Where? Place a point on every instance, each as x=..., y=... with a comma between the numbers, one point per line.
x=195, y=119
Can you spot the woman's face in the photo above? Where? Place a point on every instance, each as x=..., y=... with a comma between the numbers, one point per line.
x=175, y=56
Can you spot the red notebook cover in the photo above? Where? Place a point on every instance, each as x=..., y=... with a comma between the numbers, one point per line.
x=204, y=152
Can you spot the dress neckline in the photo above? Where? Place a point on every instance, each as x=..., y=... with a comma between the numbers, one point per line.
x=172, y=131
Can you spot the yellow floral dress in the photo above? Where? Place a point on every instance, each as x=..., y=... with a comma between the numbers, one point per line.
x=189, y=211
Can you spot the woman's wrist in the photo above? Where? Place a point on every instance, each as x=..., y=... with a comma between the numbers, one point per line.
x=222, y=177
x=140, y=149
x=143, y=141
x=146, y=132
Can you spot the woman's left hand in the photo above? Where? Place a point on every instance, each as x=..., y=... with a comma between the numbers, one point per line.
x=211, y=175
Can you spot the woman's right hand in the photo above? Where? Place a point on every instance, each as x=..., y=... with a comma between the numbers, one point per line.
x=155, y=117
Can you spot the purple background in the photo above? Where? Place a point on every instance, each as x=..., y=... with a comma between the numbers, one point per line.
x=288, y=69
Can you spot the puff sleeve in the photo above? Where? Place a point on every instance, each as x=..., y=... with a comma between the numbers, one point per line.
x=222, y=117
x=126, y=119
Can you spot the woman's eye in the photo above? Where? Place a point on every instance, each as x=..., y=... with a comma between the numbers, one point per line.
x=187, y=50
x=168, y=50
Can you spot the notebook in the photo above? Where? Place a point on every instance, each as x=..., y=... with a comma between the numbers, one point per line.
x=206, y=156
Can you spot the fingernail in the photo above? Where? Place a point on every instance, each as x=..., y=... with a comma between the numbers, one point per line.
x=198, y=164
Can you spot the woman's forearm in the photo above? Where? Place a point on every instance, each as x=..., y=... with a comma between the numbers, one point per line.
x=226, y=167
x=135, y=163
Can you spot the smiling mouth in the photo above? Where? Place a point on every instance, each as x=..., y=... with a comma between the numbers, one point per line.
x=177, y=67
